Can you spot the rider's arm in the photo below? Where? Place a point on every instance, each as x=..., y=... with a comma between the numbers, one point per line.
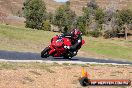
x=79, y=41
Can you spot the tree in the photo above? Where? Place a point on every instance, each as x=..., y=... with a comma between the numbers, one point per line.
x=34, y=12
x=64, y=16
x=83, y=21
x=50, y=17
x=93, y=17
x=46, y=25
x=86, y=13
x=81, y=24
x=124, y=18
x=99, y=16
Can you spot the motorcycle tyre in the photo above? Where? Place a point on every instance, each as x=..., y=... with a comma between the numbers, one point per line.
x=44, y=53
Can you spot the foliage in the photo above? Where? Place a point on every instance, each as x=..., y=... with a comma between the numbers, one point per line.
x=34, y=12
x=81, y=24
x=46, y=25
x=121, y=18
x=124, y=17
x=99, y=16
x=93, y=20
x=110, y=34
x=86, y=12
x=92, y=12
x=49, y=16
x=64, y=16
x=95, y=33
x=83, y=21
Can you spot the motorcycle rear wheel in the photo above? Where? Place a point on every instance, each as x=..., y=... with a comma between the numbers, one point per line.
x=45, y=52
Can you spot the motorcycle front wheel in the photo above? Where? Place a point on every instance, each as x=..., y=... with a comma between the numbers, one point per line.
x=45, y=52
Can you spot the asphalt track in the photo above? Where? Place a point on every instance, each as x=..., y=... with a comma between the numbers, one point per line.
x=12, y=56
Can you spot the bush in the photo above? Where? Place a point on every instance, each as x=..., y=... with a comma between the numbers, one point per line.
x=110, y=34
x=95, y=33
x=81, y=25
x=124, y=16
x=46, y=25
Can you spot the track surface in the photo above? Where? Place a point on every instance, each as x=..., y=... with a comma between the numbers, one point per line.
x=28, y=56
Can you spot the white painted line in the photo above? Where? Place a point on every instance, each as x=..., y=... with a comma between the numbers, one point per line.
x=60, y=62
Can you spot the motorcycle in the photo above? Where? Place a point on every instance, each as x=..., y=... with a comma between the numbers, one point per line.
x=59, y=48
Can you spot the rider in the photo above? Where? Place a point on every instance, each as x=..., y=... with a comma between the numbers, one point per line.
x=76, y=40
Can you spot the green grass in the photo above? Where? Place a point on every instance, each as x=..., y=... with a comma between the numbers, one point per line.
x=111, y=48
x=33, y=65
x=31, y=40
x=24, y=34
x=22, y=39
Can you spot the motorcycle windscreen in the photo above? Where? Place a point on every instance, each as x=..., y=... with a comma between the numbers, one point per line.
x=58, y=43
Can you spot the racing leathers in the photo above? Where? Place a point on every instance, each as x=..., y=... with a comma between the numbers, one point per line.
x=76, y=42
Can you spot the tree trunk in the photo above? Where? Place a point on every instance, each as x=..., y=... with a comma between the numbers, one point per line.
x=126, y=34
x=126, y=31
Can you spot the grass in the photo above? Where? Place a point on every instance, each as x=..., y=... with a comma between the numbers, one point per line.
x=12, y=32
x=33, y=65
x=111, y=48
x=44, y=66
x=30, y=40
x=8, y=66
x=22, y=39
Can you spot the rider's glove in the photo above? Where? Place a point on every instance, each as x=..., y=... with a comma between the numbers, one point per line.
x=67, y=47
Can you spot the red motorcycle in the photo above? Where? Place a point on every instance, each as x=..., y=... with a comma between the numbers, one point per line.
x=58, y=48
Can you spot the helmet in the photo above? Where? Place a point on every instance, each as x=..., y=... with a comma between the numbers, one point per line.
x=76, y=33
